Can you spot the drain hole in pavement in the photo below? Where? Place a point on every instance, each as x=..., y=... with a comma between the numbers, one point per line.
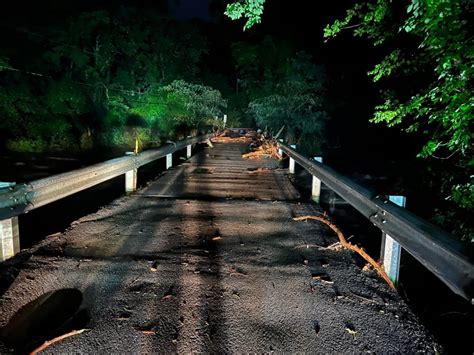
x=50, y=315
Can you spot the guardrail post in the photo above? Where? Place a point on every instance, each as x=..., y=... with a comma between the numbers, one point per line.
x=316, y=186
x=169, y=160
x=9, y=238
x=391, y=249
x=131, y=178
x=188, y=151
x=291, y=168
x=280, y=152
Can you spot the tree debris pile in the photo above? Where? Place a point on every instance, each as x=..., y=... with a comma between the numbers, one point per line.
x=228, y=135
x=263, y=148
x=260, y=146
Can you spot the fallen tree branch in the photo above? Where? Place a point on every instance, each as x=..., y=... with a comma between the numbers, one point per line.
x=209, y=143
x=279, y=132
x=334, y=246
x=55, y=340
x=223, y=139
x=346, y=244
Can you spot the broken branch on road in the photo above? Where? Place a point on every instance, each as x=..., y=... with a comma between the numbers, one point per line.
x=345, y=244
x=55, y=340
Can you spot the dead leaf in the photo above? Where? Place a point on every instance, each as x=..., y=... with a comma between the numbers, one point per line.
x=236, y=272
x=352, y=332
x=53, y=235
x=319, y=278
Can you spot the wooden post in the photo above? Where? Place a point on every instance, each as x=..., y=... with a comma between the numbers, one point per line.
x=316, y=186
x=391, y=250
x=9, y=238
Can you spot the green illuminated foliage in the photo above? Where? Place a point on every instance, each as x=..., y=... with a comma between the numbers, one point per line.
x=252, y=10
x=194, y=103
x=94, y=71
x=442, y=107
x=180, y=103
x=284, y=89
x=428, y=43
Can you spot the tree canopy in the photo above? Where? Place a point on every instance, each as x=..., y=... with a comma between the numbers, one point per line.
x=92, y=74
x=284, y=89
x=428, y=43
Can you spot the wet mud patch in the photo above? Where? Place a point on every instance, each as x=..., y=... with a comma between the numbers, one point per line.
x=52, y=314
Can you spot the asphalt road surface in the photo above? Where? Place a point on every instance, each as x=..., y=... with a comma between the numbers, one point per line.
x=207, y=259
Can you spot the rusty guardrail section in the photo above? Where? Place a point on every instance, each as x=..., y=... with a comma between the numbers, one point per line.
x=22, y=198
x=436, y=249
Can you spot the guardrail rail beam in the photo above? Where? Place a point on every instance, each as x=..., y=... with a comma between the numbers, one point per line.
x=18, y=199
x=440, y=252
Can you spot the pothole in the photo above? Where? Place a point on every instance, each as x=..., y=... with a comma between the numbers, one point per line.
x=50, y=315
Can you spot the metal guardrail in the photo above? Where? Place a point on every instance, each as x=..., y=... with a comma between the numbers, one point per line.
x=440, y=252
x=22, y=198
x=437, y=250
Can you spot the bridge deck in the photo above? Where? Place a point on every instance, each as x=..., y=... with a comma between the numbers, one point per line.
x=208, y=258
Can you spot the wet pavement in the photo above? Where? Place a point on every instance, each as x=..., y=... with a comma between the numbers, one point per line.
x=208, y=258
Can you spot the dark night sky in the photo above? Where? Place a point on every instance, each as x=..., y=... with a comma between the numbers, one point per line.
x=189, y=9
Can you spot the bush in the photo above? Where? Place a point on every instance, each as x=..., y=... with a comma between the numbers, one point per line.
x=27, y=145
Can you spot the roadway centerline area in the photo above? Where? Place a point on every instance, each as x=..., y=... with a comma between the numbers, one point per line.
x=208, y=258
